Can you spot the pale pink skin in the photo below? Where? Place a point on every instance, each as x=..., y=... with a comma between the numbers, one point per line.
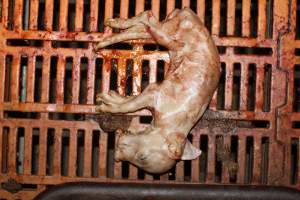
x=178, y=102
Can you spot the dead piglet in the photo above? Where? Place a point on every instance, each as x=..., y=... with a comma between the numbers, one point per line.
x=178, y=102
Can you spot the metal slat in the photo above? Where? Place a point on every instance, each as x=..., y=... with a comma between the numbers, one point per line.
x=124, y=7
x=170, y=6
x=49, y=5
x=28, y=150
x=102, y=154
x=246, y=4
x=153, y=71
x=72, y=153
x=18, y=11
x=196, y=162
x=241, y=160
x=137, y=77
x=106, y=70
x=1, y=149
x=33, y=19
x=155, y=8
x=180, y=171
x=2, y=78
x=94, y=8
x=121, y=81
x=185, y=3
x=5, y=5
x=60, y=77
x=88, y=153
x=15, y=78
x=231, y=6
x=79, y=15
x=225, y=172
x=56, y=171
x=30, y=79
x=117, y=167
x=257, y=161
x=46, y=79
x=42, y=151
x=259, y=90
x=139, y=7
x=63, y=16
x=12, y=150
x=211, y=159
x=229, y=86
x=91, y=81
x=216, y=5
x=76, y=80
x=244, y=86
x=201, y=9
x=261, y=31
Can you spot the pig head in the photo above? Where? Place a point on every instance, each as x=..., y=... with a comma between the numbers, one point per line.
x=178, y=102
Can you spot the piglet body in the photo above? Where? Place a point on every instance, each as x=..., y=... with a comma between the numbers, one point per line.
x=178, y=102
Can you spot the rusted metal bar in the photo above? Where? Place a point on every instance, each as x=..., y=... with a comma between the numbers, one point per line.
x=63, y=16
x=262, y=18
x=229, y=86
x=155, y=7
x=196, y=162
x=12, y=141
x=201, y=9
x=49, y=14
x=72, y=153
x=30, y=79
x=231, y=5
x=158, y=191
x=91, y=81
x=79, y=15
x=94, y=8
x=33, y=19
x=60, y=77
x=180, y=171
x=88, y=153
x=246, y=6
x=216, y=6
x=121, y=82
x=2, y=77
x=170, y=6
x=28, y=150
x=259, y=97
x=56, y=170
x=42, y=151
x=106, y=70
x=244, y=86
x=18, y=8
x=76, y=80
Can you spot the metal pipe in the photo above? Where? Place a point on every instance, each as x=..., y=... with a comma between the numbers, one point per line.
x=135, y=191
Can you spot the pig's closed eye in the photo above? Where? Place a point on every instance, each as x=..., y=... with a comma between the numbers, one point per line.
x=123, y=145
x=143, y=157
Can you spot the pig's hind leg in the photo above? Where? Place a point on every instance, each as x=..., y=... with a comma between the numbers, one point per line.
x=135, y=32
x=112, y=97
x=144, y=100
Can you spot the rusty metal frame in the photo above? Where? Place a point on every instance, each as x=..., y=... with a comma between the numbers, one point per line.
x=280, y=115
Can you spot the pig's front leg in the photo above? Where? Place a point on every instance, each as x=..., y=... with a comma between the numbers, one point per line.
x=132, y=104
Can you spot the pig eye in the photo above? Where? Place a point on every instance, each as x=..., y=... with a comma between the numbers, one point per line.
x=142, y=157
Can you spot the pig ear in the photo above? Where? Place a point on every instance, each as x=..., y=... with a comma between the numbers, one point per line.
x=190, y=152
x=176, y=143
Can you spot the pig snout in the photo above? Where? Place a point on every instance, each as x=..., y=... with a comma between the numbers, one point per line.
x=126, y=147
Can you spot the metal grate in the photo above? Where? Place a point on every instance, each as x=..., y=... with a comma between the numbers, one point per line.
x=49, y=76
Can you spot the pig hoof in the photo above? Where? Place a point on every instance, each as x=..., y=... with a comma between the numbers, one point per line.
x=99, y=97
x=108, y=21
